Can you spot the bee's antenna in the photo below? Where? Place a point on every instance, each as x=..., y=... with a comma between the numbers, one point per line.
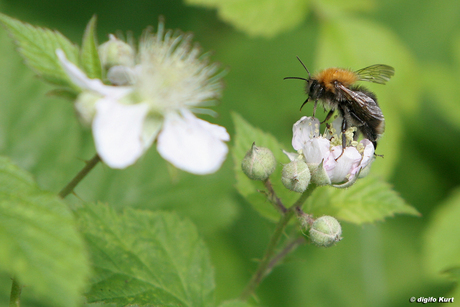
x=299, y=78
x=309, y=77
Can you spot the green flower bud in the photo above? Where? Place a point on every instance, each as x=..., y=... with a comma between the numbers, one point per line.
x=116, y=52
x=121, y=75
x=325, y=231
x=259, y=163
x=296, y=176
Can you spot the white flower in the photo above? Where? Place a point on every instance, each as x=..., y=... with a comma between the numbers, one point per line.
x=325, y=151
x=169, y=82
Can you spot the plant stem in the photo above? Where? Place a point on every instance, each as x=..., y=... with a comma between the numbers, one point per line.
x=15, y=297
x=90, y=164
x=304, y=195
x=263, y=265
x=269, y=260
x=274, y=199
x=290, y=247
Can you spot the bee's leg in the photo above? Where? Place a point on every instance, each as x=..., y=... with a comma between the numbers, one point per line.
x=344, y=137
x=305, y=103
x=314, y=108
x=328, y=116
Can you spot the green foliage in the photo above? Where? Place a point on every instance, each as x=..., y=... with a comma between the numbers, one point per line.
x=89, y=55
x=235, y=303
x=441, y=248
x=38, y=48
x=442, y=87
x=259, y=17
x=382, y=263
x=143, y=257
x=337, y=8
x=39, y=241
x=369, y=200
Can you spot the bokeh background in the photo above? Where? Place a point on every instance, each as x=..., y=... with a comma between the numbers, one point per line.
x=383, y=264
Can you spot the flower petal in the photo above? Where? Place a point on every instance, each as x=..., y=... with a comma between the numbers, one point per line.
x=316, y=150
x=368, y=154
x=192, y=144
x=117, y=130
x=366, y=162
x=303, y=130
x=343, y=166
x=78, y=77
x=335, y=126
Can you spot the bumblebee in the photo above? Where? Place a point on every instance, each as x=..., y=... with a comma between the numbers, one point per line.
x=336, y=89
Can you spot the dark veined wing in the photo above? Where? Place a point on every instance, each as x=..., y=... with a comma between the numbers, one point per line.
x=362, y=105
x=377, y=73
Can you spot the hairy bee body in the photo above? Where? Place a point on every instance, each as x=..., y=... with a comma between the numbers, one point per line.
x=336, y=89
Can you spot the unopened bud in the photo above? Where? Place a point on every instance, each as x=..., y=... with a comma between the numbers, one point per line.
x=116, y=52
x=259, y=163
x=296, y=176
x=121, y=75
x=325, y=231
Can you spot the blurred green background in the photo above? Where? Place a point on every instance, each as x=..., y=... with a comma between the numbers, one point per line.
x=375, y=265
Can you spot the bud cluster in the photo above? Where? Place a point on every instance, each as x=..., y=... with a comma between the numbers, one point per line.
x=320, y=160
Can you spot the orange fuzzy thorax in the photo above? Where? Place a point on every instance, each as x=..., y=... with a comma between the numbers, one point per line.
x=328, y=76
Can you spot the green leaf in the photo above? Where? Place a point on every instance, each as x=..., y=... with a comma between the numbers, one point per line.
x=38, y=47
x=39, y=243
x=235, y=303
x=335, y=8
x=89, y=55
x=441, y=245
x=143, y=257
x=259, y=17
x=250, y=189
x=369, y=200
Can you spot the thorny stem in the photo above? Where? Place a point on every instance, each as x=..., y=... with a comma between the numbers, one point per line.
x=263, y=265
x=269, y=260
x=274, y=198
x=15, y=297
x=290, y=247
x=90, y=164
x=305, y=195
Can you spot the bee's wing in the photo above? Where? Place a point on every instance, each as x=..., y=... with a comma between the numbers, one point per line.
x=365, y=108
x=377, y=73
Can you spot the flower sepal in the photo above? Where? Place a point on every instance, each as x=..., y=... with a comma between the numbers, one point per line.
x=319, y=175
